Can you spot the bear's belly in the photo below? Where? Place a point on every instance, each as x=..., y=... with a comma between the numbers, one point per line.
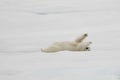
x=67, y=46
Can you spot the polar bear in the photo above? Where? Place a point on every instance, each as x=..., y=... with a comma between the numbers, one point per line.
x=77, y=45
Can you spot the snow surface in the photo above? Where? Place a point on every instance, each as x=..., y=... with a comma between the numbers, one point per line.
x=28, y=25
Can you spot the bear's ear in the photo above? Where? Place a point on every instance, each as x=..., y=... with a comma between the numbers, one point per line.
x=88, y=43
x=85, y=46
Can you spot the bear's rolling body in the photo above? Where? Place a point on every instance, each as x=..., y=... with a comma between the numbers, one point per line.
x=77, y=45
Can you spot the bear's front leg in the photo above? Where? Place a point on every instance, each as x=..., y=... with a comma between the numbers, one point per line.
x=81, y=38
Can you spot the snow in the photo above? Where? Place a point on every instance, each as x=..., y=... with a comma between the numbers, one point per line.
x=28, y=25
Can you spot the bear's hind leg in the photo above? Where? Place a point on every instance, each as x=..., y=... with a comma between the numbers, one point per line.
x=51, y=49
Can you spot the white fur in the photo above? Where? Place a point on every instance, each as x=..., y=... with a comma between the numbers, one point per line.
x=76, y=45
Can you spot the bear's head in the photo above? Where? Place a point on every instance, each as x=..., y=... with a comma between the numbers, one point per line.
x=84, y=46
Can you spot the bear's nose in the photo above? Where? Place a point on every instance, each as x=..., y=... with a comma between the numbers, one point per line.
x=87, y=48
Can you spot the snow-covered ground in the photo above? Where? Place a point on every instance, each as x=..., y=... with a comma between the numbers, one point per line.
x=28, y=25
